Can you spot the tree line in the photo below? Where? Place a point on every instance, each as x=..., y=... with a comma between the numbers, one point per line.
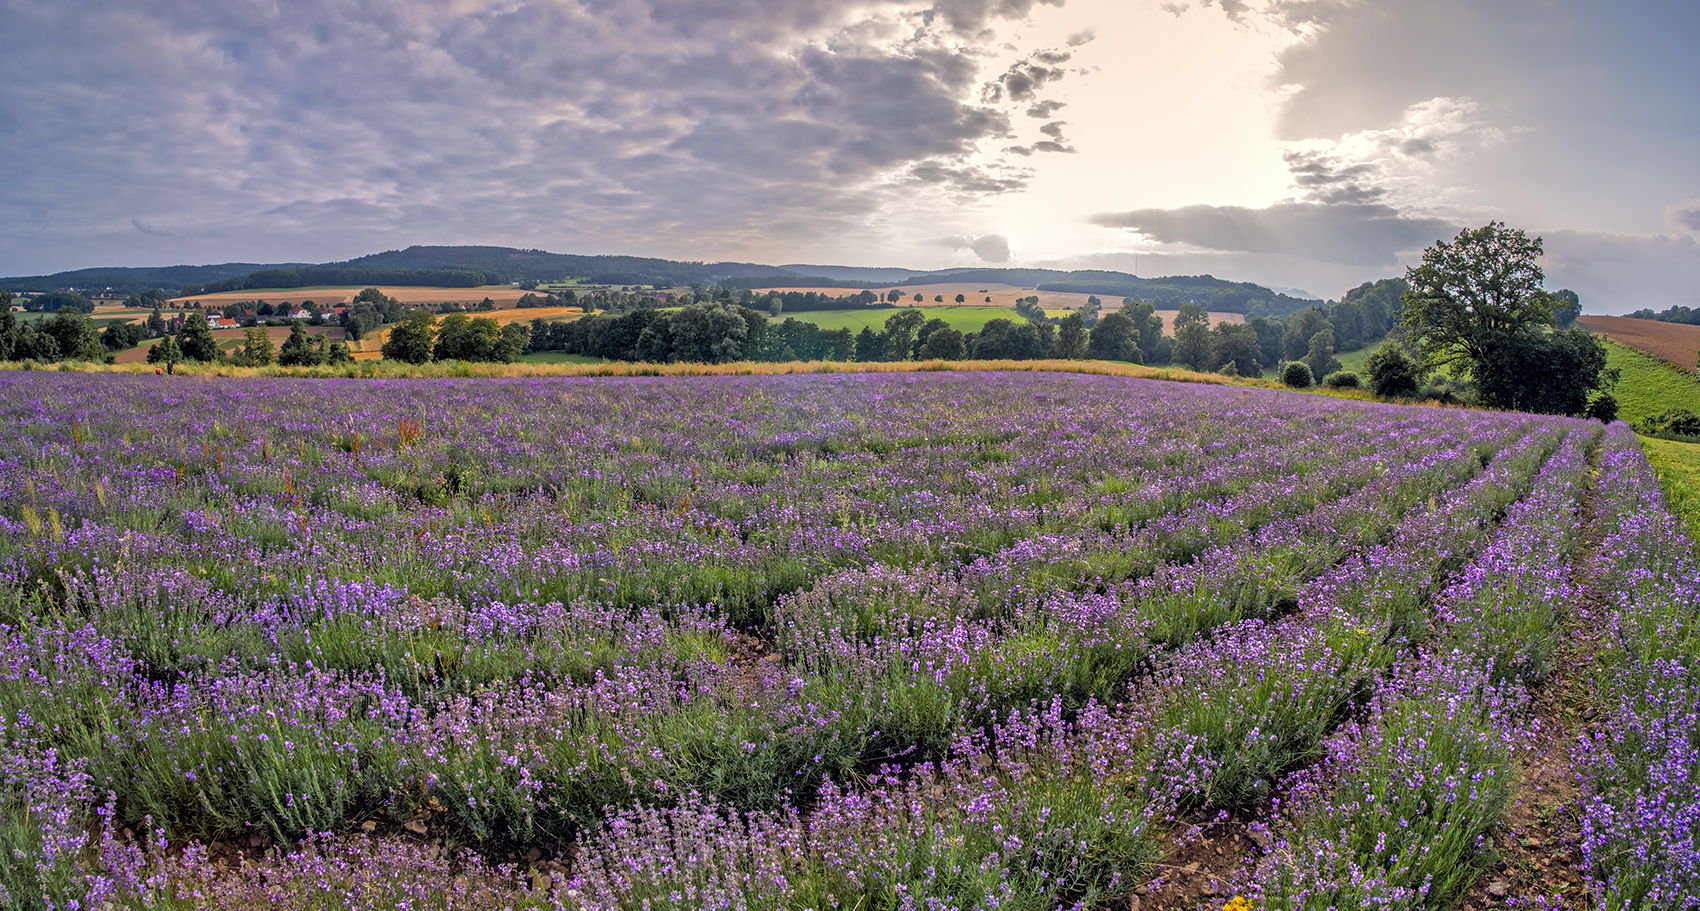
x=1677, y=313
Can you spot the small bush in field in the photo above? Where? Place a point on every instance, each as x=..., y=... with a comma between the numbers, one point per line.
x=1297, y=375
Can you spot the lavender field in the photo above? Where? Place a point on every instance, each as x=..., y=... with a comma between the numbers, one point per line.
x=851, y=641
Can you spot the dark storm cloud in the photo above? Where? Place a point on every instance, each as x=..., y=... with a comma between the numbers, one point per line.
x=1348, y=234
x=345, y=127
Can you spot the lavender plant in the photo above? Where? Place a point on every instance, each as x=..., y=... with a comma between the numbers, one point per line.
x=871, y=639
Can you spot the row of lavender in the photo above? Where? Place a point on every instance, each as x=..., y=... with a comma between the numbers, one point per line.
x=1401, y=804
x=1641, y=826
x=530, y=609
x=1215, y=725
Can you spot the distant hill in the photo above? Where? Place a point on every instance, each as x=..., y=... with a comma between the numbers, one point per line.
x=165, y=278
x=472, y=266
x=853, y=273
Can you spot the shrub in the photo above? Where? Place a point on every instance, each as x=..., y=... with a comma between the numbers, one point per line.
x=1448, y=391
x=1343, y=379
x=1603, y=408
x=1297, y=375
x=1392, y=372
x=1678, y=421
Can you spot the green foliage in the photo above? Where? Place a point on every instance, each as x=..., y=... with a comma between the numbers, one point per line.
x=122, y=336
x=475, y=339
x=1190, y=313
x=1237, y=344
x=1392, y=372
x=1544, y=372
x=1319, y=353
x=1115, y=338
x=1682, y=422
x=55, y=301
x=868, y=346
x=945, y=344
x=1647, y=385
x=1002, y=339
x=899, y=336
x=301, y=349
x=257, y=347
x=1603, y=408
x=1301, y=328
x=1192, y=345
x=1342, y=379
x=1678, y=467
x=1154, y=346
x=1071, y=337
x=1477, y=304
x=195, y=338
x=74, y=336
x=1566, y=307
x=411, y=340
x=167, y=351
x=1297, y=375
x=709, y=334
x=1478, y=293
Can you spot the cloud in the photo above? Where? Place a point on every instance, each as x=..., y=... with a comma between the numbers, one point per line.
x=1045, y=109
x=1082, y=37
x=1619, y=273
x=1023, y=80
x=715, y=129
x=971, y=17
x=1395, y=164
x=968, y=180
x=1684, y=215
x=992, y=248
x=1348, y=234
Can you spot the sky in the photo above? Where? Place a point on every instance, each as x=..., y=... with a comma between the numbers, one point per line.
x=1304, y=144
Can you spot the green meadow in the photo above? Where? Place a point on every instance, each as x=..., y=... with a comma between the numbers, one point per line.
x=561, y=357
x=963, y=319
x=1648, y=385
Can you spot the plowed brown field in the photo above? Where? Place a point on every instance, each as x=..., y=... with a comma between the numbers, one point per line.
x=1674, y=342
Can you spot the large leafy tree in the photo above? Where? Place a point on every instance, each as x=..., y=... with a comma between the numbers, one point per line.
x=411, y=341
x=299, y=350
x=1071, y=337
x=463, y=338
x=1477, y=305
x=900, y=333
x=196, y=339
x=77, y=338
x=1116, y=338
x=1235, y=343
